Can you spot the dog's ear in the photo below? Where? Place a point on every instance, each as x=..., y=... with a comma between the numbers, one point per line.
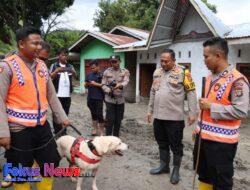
x=105, y=148
x=102, y=145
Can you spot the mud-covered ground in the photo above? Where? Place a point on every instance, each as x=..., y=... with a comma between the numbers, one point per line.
x=130, y=172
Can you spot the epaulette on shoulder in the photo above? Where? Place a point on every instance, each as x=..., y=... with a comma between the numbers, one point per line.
x=158, y=71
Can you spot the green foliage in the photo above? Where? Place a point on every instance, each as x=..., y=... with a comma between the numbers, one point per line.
x=210, y=6
x=111, y=14
x=131, y=13
x=17, y=13
x=11, y=45
x=5, y=48
x=62, y=38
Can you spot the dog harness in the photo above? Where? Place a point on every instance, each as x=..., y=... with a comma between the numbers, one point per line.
x=75, y=152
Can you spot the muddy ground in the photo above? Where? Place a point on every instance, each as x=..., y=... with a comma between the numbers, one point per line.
x=130, y=172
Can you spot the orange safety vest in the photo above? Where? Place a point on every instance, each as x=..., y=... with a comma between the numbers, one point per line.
x=26, y=102
x=218, y=92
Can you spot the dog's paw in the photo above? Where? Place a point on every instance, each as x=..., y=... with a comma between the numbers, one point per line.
x=73, y=179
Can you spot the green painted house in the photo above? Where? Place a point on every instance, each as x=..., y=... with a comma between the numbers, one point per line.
x=98, y=46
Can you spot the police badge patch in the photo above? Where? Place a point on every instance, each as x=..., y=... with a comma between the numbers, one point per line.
x=217, y=87
x=40, y=73
x=238, y=92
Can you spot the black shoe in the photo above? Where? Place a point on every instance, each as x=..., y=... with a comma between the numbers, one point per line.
x=163, y=168
x=175, y=177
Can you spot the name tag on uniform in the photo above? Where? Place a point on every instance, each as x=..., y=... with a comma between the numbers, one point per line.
x=174, y=79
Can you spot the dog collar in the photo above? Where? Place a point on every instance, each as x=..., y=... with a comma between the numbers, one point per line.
x=92, y=148
x=75, y=152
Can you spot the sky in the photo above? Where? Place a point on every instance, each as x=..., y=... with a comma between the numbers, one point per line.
x=80, y=15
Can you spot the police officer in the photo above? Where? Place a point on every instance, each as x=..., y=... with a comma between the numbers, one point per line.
x=170, y=84
x=25, y=94
x=225, y=104
x=114, y=81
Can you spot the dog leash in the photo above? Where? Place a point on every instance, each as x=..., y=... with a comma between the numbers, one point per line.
x=76, y=130
x=46, y=144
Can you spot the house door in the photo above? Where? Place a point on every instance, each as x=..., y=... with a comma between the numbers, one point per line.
x=103, y=64
x=146, y=78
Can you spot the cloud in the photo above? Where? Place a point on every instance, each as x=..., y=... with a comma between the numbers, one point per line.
x=232, y=12
x=80, y=15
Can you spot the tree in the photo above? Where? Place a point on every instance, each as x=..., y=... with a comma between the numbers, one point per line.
x=143, y=14
x=131, y=13
x=17, y=13
x=111, y=14
x=62, y=38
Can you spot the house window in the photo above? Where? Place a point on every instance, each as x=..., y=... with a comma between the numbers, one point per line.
x=141, y=56
x=155, y=55
x=179, y=54
x=148, y=56
x=189, y=54
x=239, y=53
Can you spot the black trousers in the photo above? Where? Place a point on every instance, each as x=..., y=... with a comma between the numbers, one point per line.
x=216, y=163
x=114, y=116
x=96, y=109
x=169, y=135
x=66, y=102
x=31, y=138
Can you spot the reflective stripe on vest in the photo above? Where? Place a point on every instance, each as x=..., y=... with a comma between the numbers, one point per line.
x=218, y=92
x=27, y=96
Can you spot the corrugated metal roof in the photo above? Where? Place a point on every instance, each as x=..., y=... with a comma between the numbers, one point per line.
x=134, y=44
x=211, y=19
x=111, y=39
x=164, y=24
x=117, y=39
x=138, y=33
x=239, y=31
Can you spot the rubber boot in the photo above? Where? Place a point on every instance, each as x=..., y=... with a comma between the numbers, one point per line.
x=205, y=186
x=21, y=186
x=164, y=163
x=94, y=128
x=45, y=184
x=100, y=129
x=175, y=177
x=5, y=184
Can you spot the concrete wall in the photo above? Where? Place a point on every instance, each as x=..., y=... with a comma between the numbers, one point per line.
x=96, y=49
x=233, y=54
x=198, y=68
x=193, y=22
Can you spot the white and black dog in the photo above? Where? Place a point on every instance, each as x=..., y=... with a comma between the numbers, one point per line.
x=87, y=154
